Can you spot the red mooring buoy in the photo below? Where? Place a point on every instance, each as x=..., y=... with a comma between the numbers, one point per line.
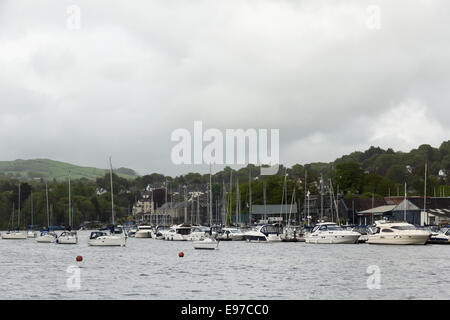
x=181, y=254
x=79, y=258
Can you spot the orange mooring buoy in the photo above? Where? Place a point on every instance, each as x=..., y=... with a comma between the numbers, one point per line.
x=181, y=254
x=79, y=258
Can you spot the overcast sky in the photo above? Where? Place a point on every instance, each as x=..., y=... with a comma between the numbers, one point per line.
x=325, y=73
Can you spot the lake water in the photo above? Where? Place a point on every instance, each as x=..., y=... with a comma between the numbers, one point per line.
x=151, y=269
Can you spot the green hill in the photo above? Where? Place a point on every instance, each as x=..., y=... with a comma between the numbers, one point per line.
x=50, y=169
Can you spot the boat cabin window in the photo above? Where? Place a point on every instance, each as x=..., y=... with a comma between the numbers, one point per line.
x=315, y=229
x=270, y=230
x=335, y=228
x=387, y=230
x=184, y=231
x=323, y=228
x=95, y=235
x=404, y=227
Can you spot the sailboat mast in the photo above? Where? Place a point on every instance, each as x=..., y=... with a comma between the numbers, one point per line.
x=264, y=198
x=31, y=199
x=18, y=215
x=237, y=201
x=224, y=200
x=321, y=197
x=404, y=211
x=112, y=192
x=250, y=195
x=48, y=214
x=70, y=204
x=230, y=209
x=210, y=197
x=425, y=196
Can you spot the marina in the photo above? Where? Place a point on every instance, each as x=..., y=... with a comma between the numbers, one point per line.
x=152, y=269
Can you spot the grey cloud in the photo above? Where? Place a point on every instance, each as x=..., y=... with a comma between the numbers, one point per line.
x=134, y=73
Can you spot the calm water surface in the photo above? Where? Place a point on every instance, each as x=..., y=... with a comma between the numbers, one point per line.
x=151, y=269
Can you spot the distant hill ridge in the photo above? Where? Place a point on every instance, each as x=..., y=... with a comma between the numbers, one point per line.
x=51, y=169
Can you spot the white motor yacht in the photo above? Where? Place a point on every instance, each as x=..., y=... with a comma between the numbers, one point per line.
x=397, y=233
x=208, y=243
x=143, y=232
x=47, y=237
x=67, y=237
x=231, y=234
x=14, y=235
x=264, y=233
x=330, y=232
x=179, y=233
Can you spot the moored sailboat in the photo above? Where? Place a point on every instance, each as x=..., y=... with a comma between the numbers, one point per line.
x=116, y=236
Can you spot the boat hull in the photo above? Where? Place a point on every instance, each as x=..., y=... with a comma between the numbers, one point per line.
x=207, y=244
x=45, y=239
x=15, y=236
x=143, y=234
x=335, y=239
x=107, y=242
x=402, y=240
x=67, y=240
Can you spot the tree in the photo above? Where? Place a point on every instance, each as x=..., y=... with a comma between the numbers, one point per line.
x=349, y=177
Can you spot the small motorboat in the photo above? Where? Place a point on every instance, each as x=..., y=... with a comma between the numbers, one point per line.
x=264, y=233
x=116, y=238
x=440, y=237
x=206, y=244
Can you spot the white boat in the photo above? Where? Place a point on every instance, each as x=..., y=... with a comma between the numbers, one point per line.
x=116, y=236
x=264, y=233
x=198, y=233
x=397, y=233
x=143, y=232
x=47, y=237
x=159, y=233
x=67, y=237
x=178, y=233
x=440, y=237
x=31, y=234
x=103, y=238
x=330, y=232
x=132, y=232
x=231, y=234
x=206, y=244
x=14, y=235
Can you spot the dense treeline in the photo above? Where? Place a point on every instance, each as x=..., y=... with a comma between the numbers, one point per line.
x=375, y=172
